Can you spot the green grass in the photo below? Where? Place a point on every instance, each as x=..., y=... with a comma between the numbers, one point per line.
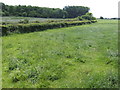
x=15, y=20
x=0, y=63
x=75, y=57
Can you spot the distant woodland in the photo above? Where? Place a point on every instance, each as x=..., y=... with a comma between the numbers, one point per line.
x=43, y=12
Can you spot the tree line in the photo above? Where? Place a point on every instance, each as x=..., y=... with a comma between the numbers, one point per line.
x=43, y=12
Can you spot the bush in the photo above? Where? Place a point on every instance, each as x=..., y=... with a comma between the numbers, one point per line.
x=5, y=23
x=25, y=21
x=36, y=22
x=26, y=28
x=4, y=30
x=88, y=16
x=101, y=17
x=93, y=18
x=79, y=18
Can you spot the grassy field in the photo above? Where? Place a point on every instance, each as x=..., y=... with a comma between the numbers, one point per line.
x=15, y=20
x=74, y=57
x=0, y=63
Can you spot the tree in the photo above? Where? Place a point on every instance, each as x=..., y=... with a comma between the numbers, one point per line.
x=74, y=11
x=101, y=17
x=43, y=12
x=24, y=14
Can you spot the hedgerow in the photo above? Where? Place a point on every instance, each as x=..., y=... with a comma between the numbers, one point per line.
x=32, y=27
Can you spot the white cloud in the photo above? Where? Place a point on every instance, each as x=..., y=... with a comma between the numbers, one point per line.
x=105, y=8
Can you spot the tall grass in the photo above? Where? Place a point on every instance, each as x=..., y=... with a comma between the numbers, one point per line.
x=73, y=57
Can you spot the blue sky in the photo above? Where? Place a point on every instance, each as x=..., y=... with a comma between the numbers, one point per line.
x=105, y=8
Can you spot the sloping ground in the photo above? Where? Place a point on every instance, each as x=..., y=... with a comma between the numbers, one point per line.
x=75, y=57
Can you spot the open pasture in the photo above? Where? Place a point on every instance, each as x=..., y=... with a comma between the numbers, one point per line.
x=74, y=57
x=16, y=20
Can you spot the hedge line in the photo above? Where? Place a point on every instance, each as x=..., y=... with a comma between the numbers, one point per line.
x=32, y=27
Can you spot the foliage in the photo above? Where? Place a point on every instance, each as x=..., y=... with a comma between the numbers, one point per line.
x=74, y=11
x=25, y=21
x=43, y=12
x=79, y=18
x=101, y=17
x=88, y=16
x=32, y=27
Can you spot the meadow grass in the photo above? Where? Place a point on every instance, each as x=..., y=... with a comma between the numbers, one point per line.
x=74, y=57
x=0, y=63
x=15, y=20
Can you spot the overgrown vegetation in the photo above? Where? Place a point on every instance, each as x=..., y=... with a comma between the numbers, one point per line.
x=32, y=27
x=87, y=16
x=83, y=56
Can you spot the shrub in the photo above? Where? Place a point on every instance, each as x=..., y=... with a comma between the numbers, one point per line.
x=4, y=23
x=93, y=18
x=4, y=30
x=32, y=27
x=79, y=18
x=101, y=17
x=36, y=22
x=88, y=16
x=25, y=21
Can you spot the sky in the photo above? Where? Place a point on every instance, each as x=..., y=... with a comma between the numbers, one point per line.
x=104, y=8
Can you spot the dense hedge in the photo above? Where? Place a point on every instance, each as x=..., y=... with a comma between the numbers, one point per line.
x=32, y=27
